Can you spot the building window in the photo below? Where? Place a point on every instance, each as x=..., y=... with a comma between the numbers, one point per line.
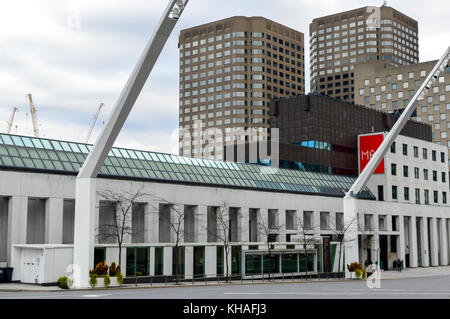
x=433, y=155
x=425, y=154
x=416, y=172
x=405, y=171
x=434, y=176
x=444, y=197
x=393, y=169
x=405, y=149
x=425, y=174
x=406, y=193
x=138, y=261
x=393, y=148
x=416, y=152
x=394, y=192
x=417, y=192
x=435, y=197
x=427, y=197
x=443, y=177
x=443, y=155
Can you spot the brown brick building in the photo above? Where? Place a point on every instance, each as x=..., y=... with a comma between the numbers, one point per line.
x=229, y=71
x=389, y=88
x=340, y=41
x=319, y=133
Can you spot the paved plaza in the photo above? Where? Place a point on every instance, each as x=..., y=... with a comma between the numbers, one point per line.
x=412, y=283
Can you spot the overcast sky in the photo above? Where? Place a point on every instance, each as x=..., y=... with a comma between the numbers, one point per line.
x=71, y=66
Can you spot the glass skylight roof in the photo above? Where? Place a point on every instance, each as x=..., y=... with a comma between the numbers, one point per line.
x=39, y=154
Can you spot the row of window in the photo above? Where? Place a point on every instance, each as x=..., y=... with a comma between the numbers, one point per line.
x=416, y=152
x=426, y=193
x=417, y=173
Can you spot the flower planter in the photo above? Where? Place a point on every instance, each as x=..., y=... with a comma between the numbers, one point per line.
x=101, y=282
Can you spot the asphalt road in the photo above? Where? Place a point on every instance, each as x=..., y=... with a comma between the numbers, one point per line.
x=437, y=287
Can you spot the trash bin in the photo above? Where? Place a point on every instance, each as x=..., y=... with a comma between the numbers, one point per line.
x=6, y=274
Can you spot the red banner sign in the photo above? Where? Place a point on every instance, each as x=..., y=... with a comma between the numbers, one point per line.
x=368, y=145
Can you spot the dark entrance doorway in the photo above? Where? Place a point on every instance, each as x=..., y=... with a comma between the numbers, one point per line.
x=383, y=252
x=326, y=254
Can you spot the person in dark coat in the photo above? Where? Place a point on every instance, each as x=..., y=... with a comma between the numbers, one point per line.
x=394, y=264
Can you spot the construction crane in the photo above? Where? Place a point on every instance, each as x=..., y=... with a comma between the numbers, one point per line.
x=11, y=119
x=93, y=122
x=33, y=116
x=350, y=199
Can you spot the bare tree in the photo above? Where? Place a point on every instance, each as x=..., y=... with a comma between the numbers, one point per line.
x=268, y=232
x=339, y=229
x=223, y=233
x=176, y=220
x=119, y=226
x=306, y=231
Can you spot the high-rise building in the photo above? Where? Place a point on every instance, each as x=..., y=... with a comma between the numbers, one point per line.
x=389, y=88
x=229, y=71
x=340, y=41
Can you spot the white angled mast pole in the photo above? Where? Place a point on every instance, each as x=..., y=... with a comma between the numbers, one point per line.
x=350, y=201
x=85, y=193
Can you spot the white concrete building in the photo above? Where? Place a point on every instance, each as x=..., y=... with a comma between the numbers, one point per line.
x=413, y=172
x=37, y=191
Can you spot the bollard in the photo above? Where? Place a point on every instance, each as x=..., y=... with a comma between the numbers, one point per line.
x=151, y=281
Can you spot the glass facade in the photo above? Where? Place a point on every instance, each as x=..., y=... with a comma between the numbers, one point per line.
x=159, y=261
x=253, y=264
x=99, y=255
x=271, y=264
x=220, y=260
x=38, y=154
x=138, y=261
x=199, y=260
x=289, y=263
x=180, y=257
x=236, y=260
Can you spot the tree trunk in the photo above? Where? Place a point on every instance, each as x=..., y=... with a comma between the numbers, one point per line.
x=176, y=265
x=120, y=255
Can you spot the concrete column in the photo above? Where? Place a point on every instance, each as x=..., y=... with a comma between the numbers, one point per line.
x=316, y=222
x=175, y=220
x=282, y=224
x=434, y=242
x=152, y=261
x=167, y=261
x=152, y=222
x=388, y=222
x=443, y=242
x=83, y=252
x=424, y=242
x=243, y=219
x=201, y=226
x=413, y=242
x=189, y=262
x=264, y=220
x=210, y=260
x=54, y=220
x=374, y=245
x=17, y=224
x=401, y=240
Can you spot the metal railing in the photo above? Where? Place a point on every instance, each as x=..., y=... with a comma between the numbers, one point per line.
x=235, y=278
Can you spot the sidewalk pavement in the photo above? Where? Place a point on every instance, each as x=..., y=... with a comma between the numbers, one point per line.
x=385, y=275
